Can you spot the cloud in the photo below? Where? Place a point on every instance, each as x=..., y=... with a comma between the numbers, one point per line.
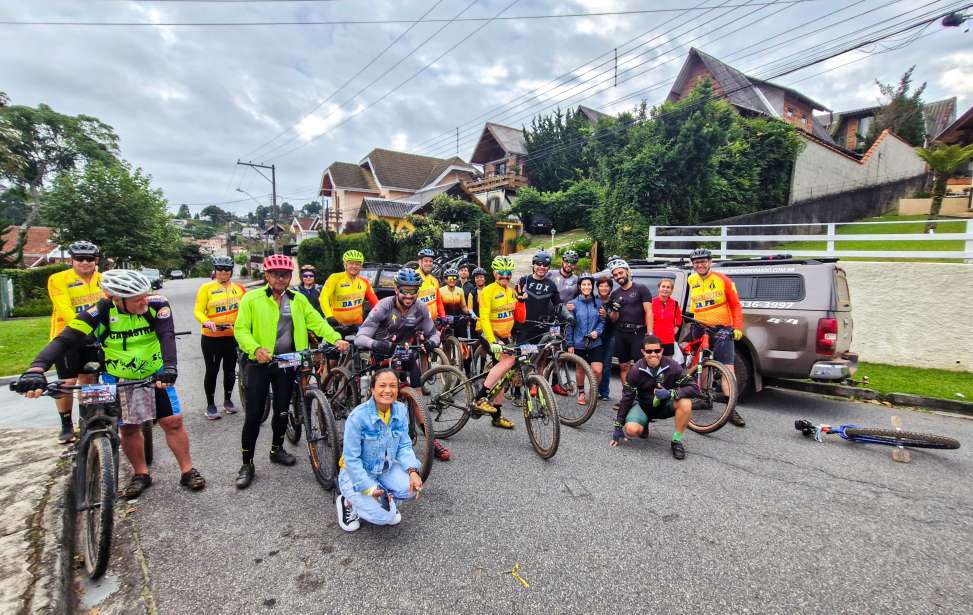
x=323, y=120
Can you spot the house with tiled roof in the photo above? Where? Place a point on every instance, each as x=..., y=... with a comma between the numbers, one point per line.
x=39, y=248
x=384, y=174
x=302, y=228
x=396, y=211
x=849, y=128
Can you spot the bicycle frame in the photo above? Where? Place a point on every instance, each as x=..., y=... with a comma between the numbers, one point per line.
x=820, y=430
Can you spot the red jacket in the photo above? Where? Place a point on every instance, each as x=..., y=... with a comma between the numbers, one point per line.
x=665, y=319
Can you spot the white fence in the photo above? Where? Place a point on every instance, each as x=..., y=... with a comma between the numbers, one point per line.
x=777, y=244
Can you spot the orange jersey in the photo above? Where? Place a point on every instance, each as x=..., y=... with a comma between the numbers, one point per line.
x=713, y=300
x=452, y=300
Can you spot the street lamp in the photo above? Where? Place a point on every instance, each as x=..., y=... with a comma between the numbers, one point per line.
x=553, y=233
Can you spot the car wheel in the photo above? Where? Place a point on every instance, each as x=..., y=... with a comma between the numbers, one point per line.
x=743, y=368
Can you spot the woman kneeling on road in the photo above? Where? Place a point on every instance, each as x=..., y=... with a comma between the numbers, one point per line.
x=378, y=465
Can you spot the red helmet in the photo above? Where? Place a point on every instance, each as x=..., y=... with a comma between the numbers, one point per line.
x=278, y=262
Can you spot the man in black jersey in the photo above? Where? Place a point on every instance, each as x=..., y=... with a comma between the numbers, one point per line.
x=541, y=296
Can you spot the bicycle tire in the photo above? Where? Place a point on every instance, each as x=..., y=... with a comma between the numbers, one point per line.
x=543, y=413
x=321, y=435
x=482, y=361
x=452, y=399
x=147, y=442
x=342, y=395
x=568, y=416
x=454, y=351
x=97, y=510
x=894, y=437
x=421, y=437
x=712, y=413
x=295, y=416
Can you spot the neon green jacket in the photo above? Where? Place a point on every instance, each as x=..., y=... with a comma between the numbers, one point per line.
x=256, y=322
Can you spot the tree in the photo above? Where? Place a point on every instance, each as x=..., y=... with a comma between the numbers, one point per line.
x=384, y=247
x=902, y=114
x=449, y=214
x=944, y=160
x=554, y=147
x=216, y=215
x=286, y=211
x=184, y=213
x=311, y=209
x=116, y=209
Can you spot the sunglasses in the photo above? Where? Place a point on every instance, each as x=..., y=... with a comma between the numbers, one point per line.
x=223, y=268
x=307, y=275
x=279, y=274
x=652, y=351
x=410, y=292
x=452, y=277
x=85, y=259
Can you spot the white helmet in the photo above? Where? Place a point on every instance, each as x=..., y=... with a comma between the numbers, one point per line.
x=616, y=263
x=125, y=283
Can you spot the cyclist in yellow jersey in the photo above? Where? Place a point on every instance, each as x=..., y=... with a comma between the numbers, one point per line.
x=497, y=305
x=344, y=294
x=73, y=291
x=429, y=291
x=217, y=303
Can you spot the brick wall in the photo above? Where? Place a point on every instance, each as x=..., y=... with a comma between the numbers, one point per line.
x=851, y=134
x=797, y=114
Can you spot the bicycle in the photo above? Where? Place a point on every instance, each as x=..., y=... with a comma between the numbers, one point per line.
x=452, y=345
x=311, y=410
x=870, y=435
x=445, y=261
x=717, y=383
x=560, y=369
x=346, y=389
x=451, y=404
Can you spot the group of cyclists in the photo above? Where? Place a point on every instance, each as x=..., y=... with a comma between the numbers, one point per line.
x=114, y=317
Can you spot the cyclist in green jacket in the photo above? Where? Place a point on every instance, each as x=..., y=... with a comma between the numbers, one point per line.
x=273, y=320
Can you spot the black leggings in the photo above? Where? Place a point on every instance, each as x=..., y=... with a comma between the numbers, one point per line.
x=217, y=350
x=260, y=377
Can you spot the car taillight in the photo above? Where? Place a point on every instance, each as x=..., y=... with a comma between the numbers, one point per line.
x=827, y=337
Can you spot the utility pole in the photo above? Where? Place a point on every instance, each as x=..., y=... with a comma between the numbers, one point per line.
x=273, y=189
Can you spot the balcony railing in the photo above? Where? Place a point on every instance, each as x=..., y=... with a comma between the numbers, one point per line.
x=496, y=182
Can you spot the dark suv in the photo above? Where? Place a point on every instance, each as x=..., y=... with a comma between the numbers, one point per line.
x=796, y=316
x=381, y=276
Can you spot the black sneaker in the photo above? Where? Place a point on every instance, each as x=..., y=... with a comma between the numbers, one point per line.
x=737, y=420
x=282, y=457
x=678, y=450
x=245, y=476
x=67, y=433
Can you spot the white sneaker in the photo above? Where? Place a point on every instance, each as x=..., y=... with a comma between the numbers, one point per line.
x=398, y=518
x=347, y=517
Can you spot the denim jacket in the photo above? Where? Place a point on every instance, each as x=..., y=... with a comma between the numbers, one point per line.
x=586, y=320
x=371, y=446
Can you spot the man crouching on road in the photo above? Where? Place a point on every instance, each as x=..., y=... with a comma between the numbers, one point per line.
x=662, y=391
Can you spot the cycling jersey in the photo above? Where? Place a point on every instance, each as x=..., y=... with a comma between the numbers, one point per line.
x=567, y=286
x=473, y=303
x=429, y=296
x=713, y=300
x=70, y=295
x=218, y=303
x=452, y=300
x=642, y=381
x=497, y=305
x=386, y=322
x=343, y=298
x=257, y=323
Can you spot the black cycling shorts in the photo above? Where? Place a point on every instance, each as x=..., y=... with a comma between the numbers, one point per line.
x=628, y=346
x=71, y=362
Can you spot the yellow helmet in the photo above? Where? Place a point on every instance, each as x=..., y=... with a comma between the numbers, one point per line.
x=353, y=256
x=503, y=263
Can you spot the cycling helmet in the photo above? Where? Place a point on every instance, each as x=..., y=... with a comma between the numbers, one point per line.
x=423, y=253
x=615, y=263
x=278, y=262
x=586, y=276
x=407, y=277
x=307, y=267
x=570, y=257
x=353, y=256
x=222, y=261
x=83, y=248
x=451, y=273
x=479, y=271
x=699, y=253
x=541, y=258
x=125, y=283
x=503, y=263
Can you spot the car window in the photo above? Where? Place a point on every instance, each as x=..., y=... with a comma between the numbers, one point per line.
x=778, y=288
x=386, y=279
x=652, y=280
x=150, y=271
x=744, y=284
x=844, y=295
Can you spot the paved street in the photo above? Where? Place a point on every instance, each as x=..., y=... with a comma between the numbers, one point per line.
x=758, y=520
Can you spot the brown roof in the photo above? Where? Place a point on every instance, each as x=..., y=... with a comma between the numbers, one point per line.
x=38, y=241
x=408, y=171
x=938, y=114
x=350, y=176
x=960, y=131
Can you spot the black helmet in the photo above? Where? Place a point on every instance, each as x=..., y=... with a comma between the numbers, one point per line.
x=478, y=271
x=541, y=258
x=700, y=253
x=83, y=248
x=424, y=252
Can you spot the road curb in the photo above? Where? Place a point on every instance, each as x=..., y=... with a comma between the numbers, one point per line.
x=860, y=393
x=53, y=590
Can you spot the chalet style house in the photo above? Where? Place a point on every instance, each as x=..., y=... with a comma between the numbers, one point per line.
x=849, y=128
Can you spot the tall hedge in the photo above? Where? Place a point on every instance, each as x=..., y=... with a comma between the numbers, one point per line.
x=30, y=289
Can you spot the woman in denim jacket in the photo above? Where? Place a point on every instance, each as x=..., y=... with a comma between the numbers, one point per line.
x=378, y=465
x=584, y=335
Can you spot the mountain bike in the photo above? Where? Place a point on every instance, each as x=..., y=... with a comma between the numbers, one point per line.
x=444, y=261
x=560, y=369
x=347, y=388
x=870, y=435
x=717, y=384
x=453, y=345
x=449, y=399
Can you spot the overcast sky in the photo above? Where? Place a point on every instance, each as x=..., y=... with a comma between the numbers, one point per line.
x=187, y=101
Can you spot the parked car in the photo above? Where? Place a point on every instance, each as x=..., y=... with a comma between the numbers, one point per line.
x=796, y=315
x=539, y=224
x=177, y=274
x=381, y=276
x=155, y=277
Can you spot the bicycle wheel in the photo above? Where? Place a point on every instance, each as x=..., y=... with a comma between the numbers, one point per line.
x=453, y=350
x=893, y=437
x=447, y=396
x=718, y=397
x=541, y=417
x=268, y=405
x=147, y=440
x=295, y=417
x=418, y=430
x=563, y=371
x=481, y=362
x=321, y=436
x=339, y=388
x=96, y=508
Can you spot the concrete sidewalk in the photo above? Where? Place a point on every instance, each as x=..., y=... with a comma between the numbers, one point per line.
x=32, y=481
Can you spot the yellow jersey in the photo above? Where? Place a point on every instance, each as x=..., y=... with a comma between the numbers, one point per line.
x=713, y=300
x=497, y=306
x=452, y=299
x=343, y=298
x=70, y=295
x=220, y=304
x=429, y=295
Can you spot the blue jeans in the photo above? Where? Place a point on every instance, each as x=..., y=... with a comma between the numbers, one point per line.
x=395, y=480
x=608, y=348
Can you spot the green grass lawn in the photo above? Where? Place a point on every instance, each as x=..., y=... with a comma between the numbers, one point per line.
x=952, y=226
x=544, y=241
x=20, y=341
x=917, y=381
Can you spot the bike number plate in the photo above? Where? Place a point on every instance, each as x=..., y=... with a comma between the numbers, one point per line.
x=556, y=330
x=97, y=394
x=528, y=349
x=291, y=359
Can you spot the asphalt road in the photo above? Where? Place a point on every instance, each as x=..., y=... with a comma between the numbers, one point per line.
x=754, y=520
